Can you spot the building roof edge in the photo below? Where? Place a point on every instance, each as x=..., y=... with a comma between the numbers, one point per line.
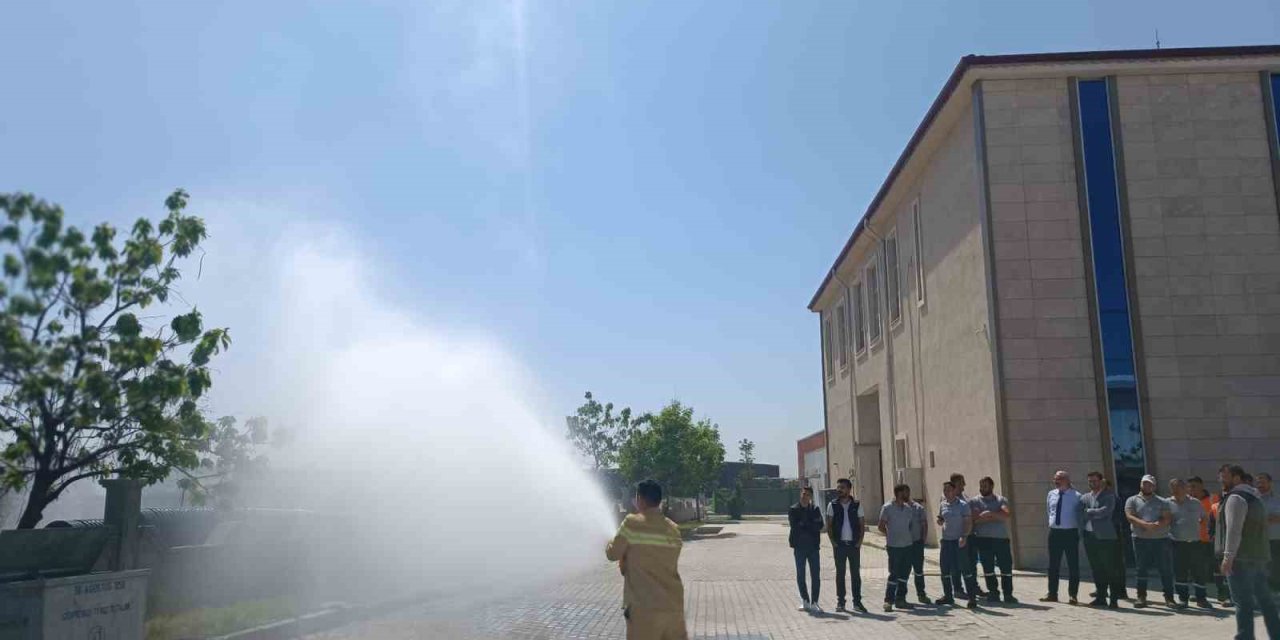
x=971, y=60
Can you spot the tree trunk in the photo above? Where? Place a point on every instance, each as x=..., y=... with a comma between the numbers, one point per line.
x=37, y=500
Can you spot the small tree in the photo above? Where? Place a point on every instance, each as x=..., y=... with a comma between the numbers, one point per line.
x=747, y=456
x=597, y=433
x=87, y=390
x=683, y=455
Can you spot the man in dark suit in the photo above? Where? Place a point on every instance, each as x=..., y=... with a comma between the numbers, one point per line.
x=1101, y=541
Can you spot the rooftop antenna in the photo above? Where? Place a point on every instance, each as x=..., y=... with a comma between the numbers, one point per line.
x=1157, y=37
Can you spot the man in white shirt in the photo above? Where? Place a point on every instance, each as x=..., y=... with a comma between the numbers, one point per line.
x=1063, y=503
x=846, y=526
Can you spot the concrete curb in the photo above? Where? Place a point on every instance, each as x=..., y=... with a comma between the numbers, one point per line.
x=299, y=626
x=317, y=621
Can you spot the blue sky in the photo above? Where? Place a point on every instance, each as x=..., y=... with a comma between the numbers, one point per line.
x=634, y=198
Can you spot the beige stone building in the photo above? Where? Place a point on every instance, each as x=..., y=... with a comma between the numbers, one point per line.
x=1075, y=263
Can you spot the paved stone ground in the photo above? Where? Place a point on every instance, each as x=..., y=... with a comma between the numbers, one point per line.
x=740, y=586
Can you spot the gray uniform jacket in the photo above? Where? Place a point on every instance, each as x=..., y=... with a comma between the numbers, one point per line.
x=1097, y=513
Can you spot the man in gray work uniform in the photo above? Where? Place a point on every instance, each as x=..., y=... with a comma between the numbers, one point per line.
x=991, y=534
x=898, y=523
x=917, y=549
x=955, y=522
x=1150, y=516
x=1188, y=513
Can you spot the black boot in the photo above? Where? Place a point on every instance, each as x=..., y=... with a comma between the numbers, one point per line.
x=1099, y=598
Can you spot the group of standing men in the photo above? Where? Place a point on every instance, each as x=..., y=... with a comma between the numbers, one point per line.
x=1189, y=538
x=973, y=530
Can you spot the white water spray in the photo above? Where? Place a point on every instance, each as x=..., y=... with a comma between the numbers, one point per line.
x=423, y=440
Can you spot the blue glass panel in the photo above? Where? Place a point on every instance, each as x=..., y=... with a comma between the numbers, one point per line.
x=1115, y=330
x=1275, y=103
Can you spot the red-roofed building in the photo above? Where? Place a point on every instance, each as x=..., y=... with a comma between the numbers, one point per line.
x=811, y=460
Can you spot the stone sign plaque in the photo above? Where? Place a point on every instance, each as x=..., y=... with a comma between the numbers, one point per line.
x=98, y=606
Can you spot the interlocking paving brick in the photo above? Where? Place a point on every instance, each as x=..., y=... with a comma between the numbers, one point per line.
x=741, y=586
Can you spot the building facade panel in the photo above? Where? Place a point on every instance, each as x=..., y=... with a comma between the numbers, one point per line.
x=1208, y=274
x=1046, y=350
x=947, y=413
x=1101, y=280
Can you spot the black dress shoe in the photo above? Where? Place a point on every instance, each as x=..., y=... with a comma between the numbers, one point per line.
x=1098, y=602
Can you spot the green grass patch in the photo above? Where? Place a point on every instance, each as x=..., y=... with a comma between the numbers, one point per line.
x=199, y=623
x=690, y=525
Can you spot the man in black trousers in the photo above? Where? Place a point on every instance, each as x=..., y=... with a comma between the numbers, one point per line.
x=1064, y=536
x=1101, y=541
x=805, y=540
x=970, y=549
x=846, y=526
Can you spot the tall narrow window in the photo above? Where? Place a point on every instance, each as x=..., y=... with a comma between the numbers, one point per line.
x=859, y=321
x=1275, y=107
x=842, y=326
x=891, y=277
x=1272, y=89
x=827, y=347
x=1114, y=324
x=918, y=237
x=873, y=302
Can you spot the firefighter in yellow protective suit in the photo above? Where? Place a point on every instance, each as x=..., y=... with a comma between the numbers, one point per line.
x=647, y=550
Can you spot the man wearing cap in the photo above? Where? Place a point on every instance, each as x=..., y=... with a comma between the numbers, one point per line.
x=1064, y=537
x=1242, y=537
x=1188, y=513
x=1150, y=516
x=1101, y=541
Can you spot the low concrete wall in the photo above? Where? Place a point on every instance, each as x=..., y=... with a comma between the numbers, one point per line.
x=100, y=606
x=682, y=509
x=768, y=501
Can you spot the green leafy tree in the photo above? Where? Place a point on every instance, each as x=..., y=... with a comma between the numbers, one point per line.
x=228, y=461
x=597, y=433
x=89, y=386
x=683, y=455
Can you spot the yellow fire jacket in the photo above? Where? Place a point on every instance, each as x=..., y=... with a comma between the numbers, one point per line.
x=647, y=550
